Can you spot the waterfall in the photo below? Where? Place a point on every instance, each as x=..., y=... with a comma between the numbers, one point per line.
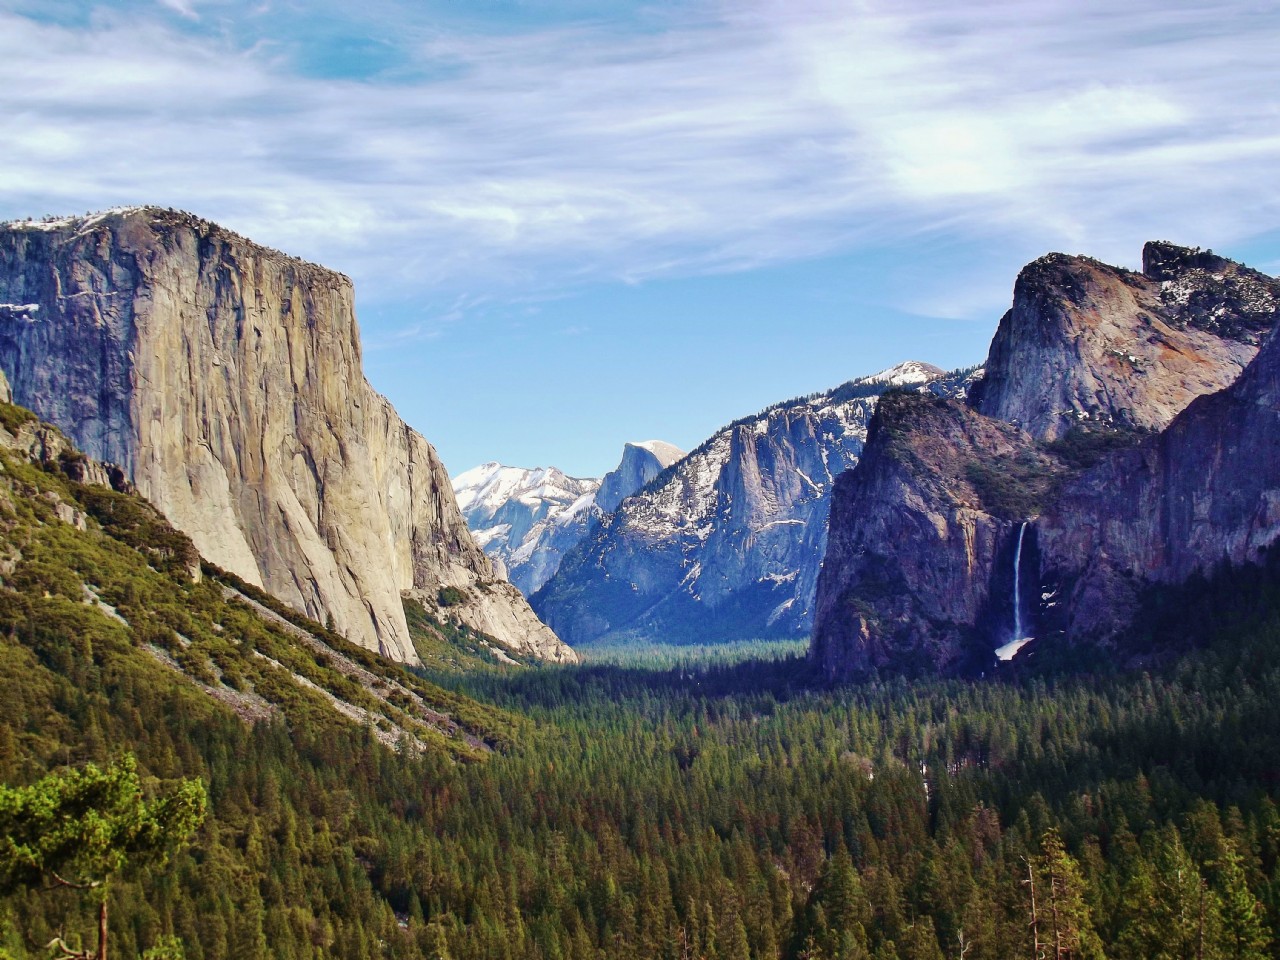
x=1009, y=650
x=1017, y=584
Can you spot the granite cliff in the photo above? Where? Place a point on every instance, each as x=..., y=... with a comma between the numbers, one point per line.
x=1201, y=495
x=1081, y=469
x=726, y=543
x=921, y=537
x=640, y=463
x=1090, y=345
x=225, y=379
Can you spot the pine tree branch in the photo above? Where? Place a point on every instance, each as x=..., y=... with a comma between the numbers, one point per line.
x=74, y=886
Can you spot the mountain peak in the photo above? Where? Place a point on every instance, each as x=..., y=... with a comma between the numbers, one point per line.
x=1162, y=260
x=909, y=373
x=667, y=453
x=482, y=491
x=641, y=461
x=1088, y=345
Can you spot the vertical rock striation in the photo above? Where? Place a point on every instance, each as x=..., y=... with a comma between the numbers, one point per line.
x=918, y=570
x=1205, y=492
x=226, y=379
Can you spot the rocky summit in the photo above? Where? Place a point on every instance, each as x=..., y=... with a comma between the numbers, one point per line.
x=1113, y=443
x=641, y=462
x=1087, y=344
x=225, y=379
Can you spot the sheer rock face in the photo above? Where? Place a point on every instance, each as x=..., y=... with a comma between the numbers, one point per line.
x=226, y=380
x=44, y=445
x=918, y=540
x=640, y=463
x=1152, y=485
x=1206, y=491
x=1087, y=344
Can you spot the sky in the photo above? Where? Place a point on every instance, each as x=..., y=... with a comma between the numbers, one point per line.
x=572, y=224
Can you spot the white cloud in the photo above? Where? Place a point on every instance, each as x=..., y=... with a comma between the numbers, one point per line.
x=184, y=7
x=760, y=133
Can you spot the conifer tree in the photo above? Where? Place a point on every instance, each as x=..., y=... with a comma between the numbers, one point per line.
x=78, y=829
x=1069, y=934
x=1244, y=934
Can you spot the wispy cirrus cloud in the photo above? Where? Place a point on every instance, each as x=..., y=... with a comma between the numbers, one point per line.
x=183, y=7
x=713, y=140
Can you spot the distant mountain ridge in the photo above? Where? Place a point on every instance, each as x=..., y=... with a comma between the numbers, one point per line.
x=525, y=520
x=726, y=543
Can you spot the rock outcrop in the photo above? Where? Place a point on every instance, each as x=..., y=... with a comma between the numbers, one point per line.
x=1085, y=472
x=725, y=544
x=918, y=568
x=640, y=463
x=45, y=446
x=1087, y=344
x=226, y=380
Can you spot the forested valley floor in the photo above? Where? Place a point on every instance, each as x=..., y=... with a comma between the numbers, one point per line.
x=722, y=813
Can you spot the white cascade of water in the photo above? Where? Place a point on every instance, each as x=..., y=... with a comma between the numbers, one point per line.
x=1017, y=583
x=1009, y=650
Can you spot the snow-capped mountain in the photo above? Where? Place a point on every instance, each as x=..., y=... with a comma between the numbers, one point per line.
x=727, y=543
x=527, y=519
x=910, y=373
x=524, y=518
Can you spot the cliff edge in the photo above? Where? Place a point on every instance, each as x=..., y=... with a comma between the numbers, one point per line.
x=226, y=380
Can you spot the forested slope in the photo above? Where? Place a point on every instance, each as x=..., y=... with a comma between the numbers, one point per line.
x=113, y=641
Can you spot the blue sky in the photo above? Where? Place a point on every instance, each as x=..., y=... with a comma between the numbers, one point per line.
x=573, y=224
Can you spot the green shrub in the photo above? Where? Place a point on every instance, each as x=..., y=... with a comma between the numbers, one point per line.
x=451, y=596
x=13, y=417
x=1010, y=489
x=1081, y=448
